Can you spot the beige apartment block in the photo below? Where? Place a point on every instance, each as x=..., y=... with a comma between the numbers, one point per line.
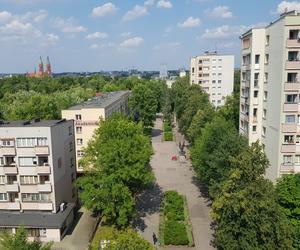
x=270, y=92
x=37, y=174
x=88, y=114
x=215, y=74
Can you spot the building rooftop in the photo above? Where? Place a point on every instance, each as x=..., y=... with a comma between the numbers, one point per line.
x=101, y=101
x=33, y=123
x=35, y=219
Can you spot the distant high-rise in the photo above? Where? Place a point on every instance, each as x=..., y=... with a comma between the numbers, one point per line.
x=215, y=74
x=163, y=73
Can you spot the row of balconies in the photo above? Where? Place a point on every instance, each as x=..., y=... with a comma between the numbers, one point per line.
x=293, y=43
x=13, y=169
x=17, y=205
x=38, y=150
x=290, y=167
x=26, y=188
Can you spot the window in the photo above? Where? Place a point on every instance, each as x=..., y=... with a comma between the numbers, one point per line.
x=79, y=153
x=265, y=95
x=70, y=146
x=200, y=68
x=214, y=68
x=219, y=81
x=219, y=74
x=254, y=128
x=264, y=113
x=31, y=142
x=297, y=159
x=3, y=196
x=28, y=179
x=293, y=56
x=27, y=161
x=267, y=40
x=35, y=197
x=214, y=74
x=264, y=131
x=290, y=119
x=292, y=77
x=257, y=59
x=298, y=139
x=42, y=141
x=7, y=143
x=2, y=179
x=266, y=58
x=78, y=117
x=294, y=34
x=70, y=130
x=287, y=159
x=266, y=77
x=255, y=112
x=33, y=232
x=256, y=78
x=79, y=142
x=220, y=60
x=1, y=161
x=220, y=67
x=289, y=139
x=255, y=93
x=291, y=98
x=214, y=61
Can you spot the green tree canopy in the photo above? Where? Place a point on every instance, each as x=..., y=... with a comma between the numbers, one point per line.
x=19, y=241
x=143, y=104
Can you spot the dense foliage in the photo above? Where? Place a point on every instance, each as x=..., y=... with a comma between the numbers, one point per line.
x=174, y=222
x=288, y=189
x=19, y=241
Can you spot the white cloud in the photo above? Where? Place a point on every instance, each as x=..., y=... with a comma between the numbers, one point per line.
x=225, y=31
x=125, y=34
x=40, y=16
x=136, y=12
x=103, y=10
x=94, y=46
x=5, y=16
x=132, y=42
x=16, y=28
x=190, y=23
x=288, y=6
x=219, y=12
x=96, y=35
x=68, y=25
x=149, y=2
x=164, y=4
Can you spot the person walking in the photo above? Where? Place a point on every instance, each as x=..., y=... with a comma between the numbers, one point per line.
x=154, y=238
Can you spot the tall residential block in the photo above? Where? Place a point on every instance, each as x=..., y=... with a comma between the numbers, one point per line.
x=215, y=74
x=88, y=114
x=37, y=174
x=270, y=92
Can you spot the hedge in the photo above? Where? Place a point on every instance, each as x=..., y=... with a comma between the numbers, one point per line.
x=175, y=233
x=168, y=136
x=167, y=126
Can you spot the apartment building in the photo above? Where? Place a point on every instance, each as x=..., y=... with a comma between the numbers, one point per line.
x=215, y=74
x=37, y=174
x=88, y=114
x=270, y=92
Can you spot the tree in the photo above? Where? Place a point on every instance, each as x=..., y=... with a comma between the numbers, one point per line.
x=250, y=218
x=130, y=240
x=288, y=188
x=117, y=161
x=143, y=104
x=212, y=152
x=19, y=241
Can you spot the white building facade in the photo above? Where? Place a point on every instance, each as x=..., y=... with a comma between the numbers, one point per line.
x=270, y=92
x=37, y=174
x=215, y=74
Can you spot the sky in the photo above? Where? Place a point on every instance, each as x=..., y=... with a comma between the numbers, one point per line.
x=95, y=35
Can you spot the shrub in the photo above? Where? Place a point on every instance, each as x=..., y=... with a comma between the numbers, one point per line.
x=167, y=126
x=174, y=206
x=168, y=136
x=175, y=233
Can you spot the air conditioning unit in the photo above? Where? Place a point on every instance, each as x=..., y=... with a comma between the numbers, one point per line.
x=62, y=207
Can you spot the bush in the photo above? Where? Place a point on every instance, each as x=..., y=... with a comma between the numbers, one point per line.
x=168, y=136
x=167, y=126
x=147, y=130
x=175, y=233
x=174, y=206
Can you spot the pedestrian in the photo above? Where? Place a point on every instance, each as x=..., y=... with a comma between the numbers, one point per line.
x=154, y=238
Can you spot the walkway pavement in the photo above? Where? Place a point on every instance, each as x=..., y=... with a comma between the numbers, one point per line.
x=79, y=235
x=172, y=175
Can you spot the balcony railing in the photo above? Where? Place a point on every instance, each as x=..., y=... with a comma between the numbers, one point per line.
x=46, y=187
x=10, y=169
x=292, y=65
x=10, y=205
x=34, y=205
x=43, y=170
x=289, y=128
x=292, y=86
x=8, y=151
x=291, y=107
x=287, y=167
x=41, y=150
x=295, y=43
x=12, y=188
x=288, y=148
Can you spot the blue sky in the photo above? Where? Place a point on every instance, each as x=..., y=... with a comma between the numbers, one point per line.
x=93, y=35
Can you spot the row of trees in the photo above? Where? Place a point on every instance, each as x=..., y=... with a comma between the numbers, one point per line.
x=249, y=211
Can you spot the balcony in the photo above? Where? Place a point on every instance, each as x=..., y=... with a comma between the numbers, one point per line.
x=10, y=205
x=292, y=65
x=245, y=83
x=292, y=86
x=41, y=150
x=246, y=66
x=12, y=188
x=289, y=128
x=43, y=170
x=288, y=148
x=287, y=167
x=290, y=107
x=45, y=188
x=293, y=43
x=8, y=151
x=46, y=206
x=10, y=169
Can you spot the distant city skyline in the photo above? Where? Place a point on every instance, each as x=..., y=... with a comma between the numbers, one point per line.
x=120, y=35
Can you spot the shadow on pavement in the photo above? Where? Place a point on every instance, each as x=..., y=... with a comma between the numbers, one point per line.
x=147, y=203
x=156, y=132
x=77, y=217
x=203, y=190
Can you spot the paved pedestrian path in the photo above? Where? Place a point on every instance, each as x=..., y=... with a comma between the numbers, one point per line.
x=172, y=175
